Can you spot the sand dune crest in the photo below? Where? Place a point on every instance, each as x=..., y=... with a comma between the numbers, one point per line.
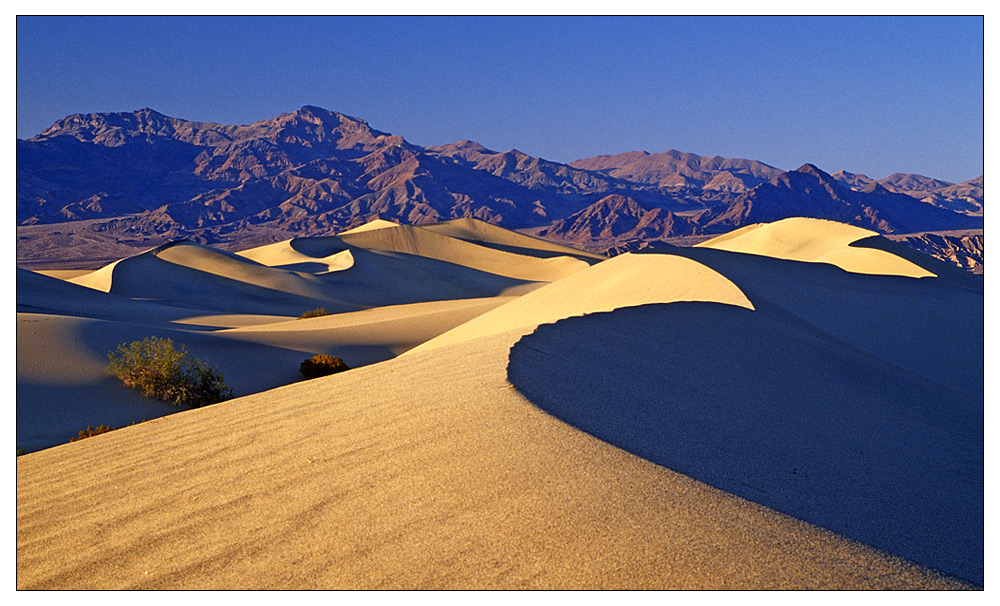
x=816, y=241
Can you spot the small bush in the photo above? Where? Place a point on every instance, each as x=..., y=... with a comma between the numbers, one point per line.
x=92, y=431
x=315, y=313
x=322, y=365
x=160, y=371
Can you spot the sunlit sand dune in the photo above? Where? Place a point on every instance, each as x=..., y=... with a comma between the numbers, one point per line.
x=415, y=240
x=283, y=255
x=373, y=224
x=193, y=293
x=504, y=239
x=622, y=281
x=819, y=241
x=790, y=415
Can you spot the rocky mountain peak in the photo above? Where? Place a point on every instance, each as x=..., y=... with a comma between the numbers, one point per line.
x=812, y=169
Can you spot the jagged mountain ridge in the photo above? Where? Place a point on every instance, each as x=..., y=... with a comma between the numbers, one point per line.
x=142, y=178
x=811, y=192
x=194, y=175
x=965, y=198
x=676, y=169
x=616, y=218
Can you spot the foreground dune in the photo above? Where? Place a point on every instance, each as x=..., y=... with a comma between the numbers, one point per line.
x=426, y=471
x=774, y=409
x=638, y=423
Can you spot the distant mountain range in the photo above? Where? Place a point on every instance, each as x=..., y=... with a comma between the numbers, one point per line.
x=97, y=186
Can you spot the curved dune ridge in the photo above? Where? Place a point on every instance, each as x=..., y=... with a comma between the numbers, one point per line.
x=195, y=275
x=423, y=472
x=816, y=241
x=622, y=281
x=485, y=233
x=757, y=407
x=284, y=255
x=369, y=226
x=369, y=268
x=418, y=240
x=680, y=378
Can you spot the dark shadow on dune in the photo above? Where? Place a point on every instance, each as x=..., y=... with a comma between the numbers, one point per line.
x=50, y=413
x=376, y=279
x=770, y=407
x=309, y=267
x=931, y=264
x=929, y=326
x=318, y=246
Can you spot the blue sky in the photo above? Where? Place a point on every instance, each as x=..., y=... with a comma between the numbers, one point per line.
x=867, y=95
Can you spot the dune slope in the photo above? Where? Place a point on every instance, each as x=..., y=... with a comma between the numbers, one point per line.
x=425, y=471
x=778, y=414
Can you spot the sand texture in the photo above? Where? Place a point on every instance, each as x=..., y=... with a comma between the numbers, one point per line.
x=788, y=415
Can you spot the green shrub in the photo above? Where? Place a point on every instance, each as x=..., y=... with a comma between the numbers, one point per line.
x=160, y=371
x=315, y=313
x=92, y=431
x=322, y=365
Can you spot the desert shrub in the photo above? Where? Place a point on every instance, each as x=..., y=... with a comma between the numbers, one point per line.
x=96, y=431
x=322, y=365
x=92, y=431
x=315, y=313
x=160, y=371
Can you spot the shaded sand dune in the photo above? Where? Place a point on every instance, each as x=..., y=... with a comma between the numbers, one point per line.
x=42, y=294
x=63, y=385
x=202, y=277
x=430, y=470
x=851, y=401
x=778, y=414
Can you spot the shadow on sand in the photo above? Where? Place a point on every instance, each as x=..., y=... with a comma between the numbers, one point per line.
x=809, y=405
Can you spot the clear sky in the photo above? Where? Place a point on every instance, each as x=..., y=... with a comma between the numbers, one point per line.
x=869, y=95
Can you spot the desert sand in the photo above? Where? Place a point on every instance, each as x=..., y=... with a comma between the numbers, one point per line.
x=753, y=413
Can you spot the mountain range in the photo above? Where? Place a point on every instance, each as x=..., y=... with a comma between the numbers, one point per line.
x=96, y=187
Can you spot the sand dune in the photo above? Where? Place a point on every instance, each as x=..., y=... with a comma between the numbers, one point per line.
x=777, y=414
x=422, y=472
x=817, y=241
x=288, y=278
x=693, y=387
x=622, y=281
x=504, y=239
x=189, y=274
x=239, y=312
x=283, y=255
x=414, y=240
x=373, y=224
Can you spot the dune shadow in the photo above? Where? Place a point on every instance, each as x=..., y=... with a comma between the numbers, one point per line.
x=52, y=409
x=763, y=406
